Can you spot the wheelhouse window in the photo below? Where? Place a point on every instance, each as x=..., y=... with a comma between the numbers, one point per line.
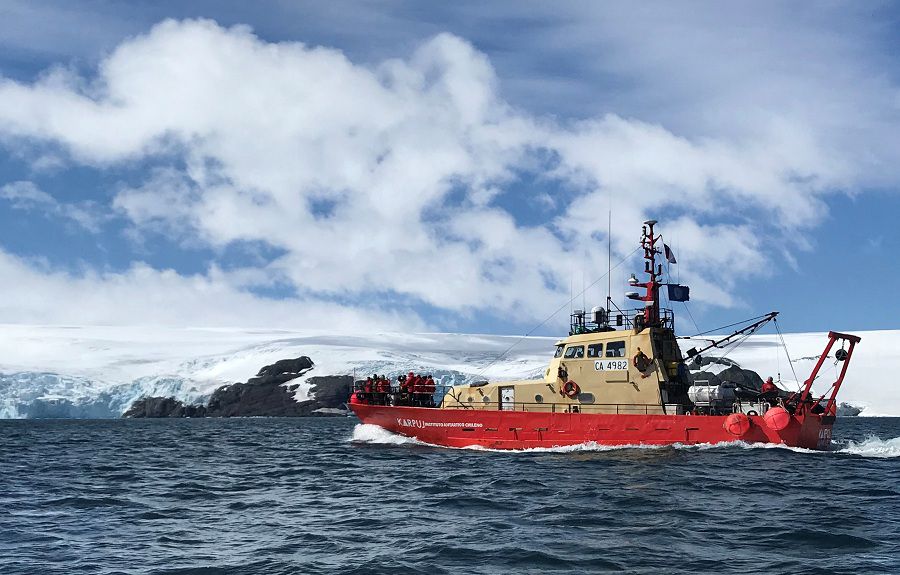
x=615, y=349
x=595, y=350
x=574, y=352
x=559, y=350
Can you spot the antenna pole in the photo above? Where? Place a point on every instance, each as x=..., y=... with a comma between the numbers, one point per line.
x=609, y=261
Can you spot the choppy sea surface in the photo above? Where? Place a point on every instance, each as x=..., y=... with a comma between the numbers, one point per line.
x=272, y=496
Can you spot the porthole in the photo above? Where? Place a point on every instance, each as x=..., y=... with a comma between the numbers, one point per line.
x=539, y=398
x=486, y=399
x=586, y=397
x=471, y=399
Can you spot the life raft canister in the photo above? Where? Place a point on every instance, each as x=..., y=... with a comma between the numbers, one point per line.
x=570, y=389
x=737, y=424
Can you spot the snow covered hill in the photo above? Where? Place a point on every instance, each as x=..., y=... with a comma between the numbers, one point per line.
x=62, y=371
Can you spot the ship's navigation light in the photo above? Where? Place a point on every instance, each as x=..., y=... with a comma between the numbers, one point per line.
x=650, y=222
x=632, y=280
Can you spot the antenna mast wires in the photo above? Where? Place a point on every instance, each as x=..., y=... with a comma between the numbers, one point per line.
x=609, y=261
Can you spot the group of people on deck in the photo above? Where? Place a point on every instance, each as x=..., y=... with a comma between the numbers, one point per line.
x=412, y=390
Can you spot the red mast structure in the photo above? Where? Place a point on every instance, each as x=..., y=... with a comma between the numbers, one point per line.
x=651, y=297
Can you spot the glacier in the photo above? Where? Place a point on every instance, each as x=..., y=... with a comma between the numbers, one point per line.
x=98, y=371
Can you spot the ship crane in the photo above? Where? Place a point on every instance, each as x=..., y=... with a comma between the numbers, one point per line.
x=727, y=339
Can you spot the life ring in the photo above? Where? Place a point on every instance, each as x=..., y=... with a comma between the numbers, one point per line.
x=641, y=361
x=570, y=389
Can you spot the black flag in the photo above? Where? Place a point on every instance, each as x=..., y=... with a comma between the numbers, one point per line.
x=679, y=292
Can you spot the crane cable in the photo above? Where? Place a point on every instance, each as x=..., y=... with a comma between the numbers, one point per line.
x=736, y=344
x=724, y=327
x=552, y=315
x=784, y=345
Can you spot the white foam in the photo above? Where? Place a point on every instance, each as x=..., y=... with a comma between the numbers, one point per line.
x=874, y=446
x=871, y=447
x=366, y=433
x=588, y=446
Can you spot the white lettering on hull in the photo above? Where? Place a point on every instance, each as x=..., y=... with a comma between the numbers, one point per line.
x=419, y=424
x=824, y=438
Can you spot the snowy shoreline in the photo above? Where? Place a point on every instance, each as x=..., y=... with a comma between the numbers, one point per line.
x=106, y=368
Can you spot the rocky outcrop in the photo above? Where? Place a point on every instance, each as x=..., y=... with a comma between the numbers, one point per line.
x=264, y=395
x=267, y=398
x=284, y=367
x=163, y=407
x=331, y=391
x=717, y=370
x=845, y=409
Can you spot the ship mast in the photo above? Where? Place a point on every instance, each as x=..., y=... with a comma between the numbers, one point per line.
x=651, y=297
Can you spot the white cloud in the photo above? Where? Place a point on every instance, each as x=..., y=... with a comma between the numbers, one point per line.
x=409, y=154
x=142, y=295
x=23, y=195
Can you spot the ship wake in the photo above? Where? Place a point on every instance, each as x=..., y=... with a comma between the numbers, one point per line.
x=366, y=433
x=871, y=447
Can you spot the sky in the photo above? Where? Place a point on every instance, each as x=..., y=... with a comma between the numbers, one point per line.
x=452, y=167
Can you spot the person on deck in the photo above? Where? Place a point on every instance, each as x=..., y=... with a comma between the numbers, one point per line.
x=429, y=391
x=404, y=389
x=370, y=390
x=768, y=391
x=420, y=390
x=411, y=388
x=415, y=388
x=383, y=387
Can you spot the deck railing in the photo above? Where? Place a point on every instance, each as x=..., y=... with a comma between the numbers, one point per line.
x=441, y=398
x=605, y=408
x=625, y=319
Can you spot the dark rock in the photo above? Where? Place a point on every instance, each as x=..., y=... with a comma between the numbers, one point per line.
x=263, y=395
x=331, y=390
x=745, y=378
x=156, y=407
x=283, y=366
x=256, y=398
x=734, y=373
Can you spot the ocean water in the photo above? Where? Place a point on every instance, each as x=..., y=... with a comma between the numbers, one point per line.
x=272, y=496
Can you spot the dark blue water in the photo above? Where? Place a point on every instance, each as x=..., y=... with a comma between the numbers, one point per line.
x=274, y=496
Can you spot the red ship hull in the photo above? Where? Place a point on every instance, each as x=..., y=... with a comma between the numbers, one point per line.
x=494, y=429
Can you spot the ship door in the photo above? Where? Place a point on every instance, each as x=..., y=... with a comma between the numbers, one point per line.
x=508, y=398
